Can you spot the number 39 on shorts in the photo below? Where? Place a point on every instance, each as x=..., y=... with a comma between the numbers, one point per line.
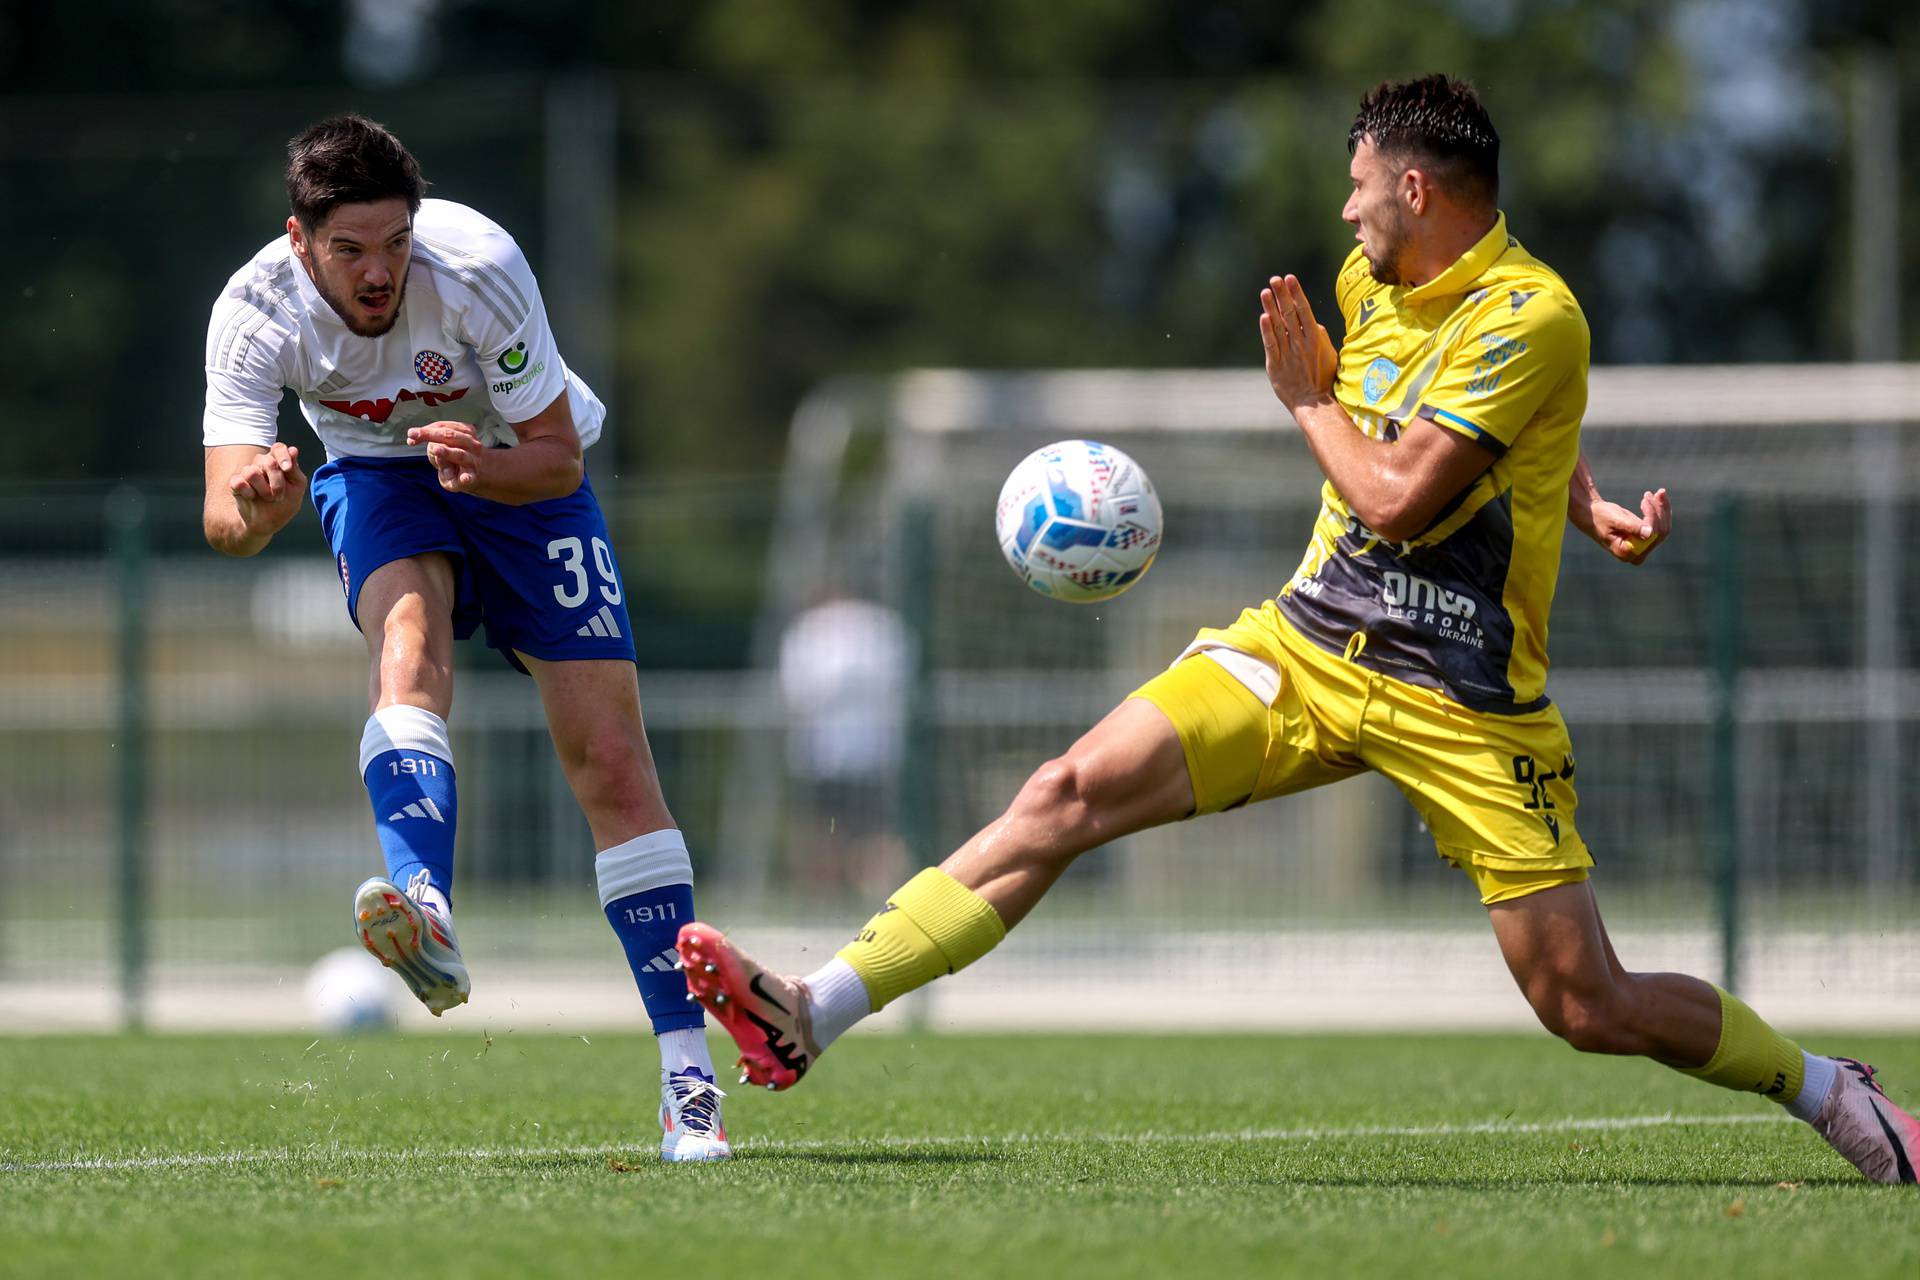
x=572, y=590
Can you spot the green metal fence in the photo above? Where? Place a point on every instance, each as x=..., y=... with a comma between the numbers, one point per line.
x=180, y=822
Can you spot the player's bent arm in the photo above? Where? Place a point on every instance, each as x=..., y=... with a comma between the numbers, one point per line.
x=1625, y=534
x=253, y=491
x=545, y=463
x=1582, y=494
x=1398, y=490
x=554, y=467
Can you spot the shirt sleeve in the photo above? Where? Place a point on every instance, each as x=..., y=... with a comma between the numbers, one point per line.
x=244, y=377
x=506, y=323
x=1515, y=353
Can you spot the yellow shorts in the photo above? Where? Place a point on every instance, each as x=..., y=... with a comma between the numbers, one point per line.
x=1495, y=791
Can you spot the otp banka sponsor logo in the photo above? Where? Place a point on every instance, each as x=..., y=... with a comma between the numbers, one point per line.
x=513, y=363
x=1412, y=598
x=1379, y=377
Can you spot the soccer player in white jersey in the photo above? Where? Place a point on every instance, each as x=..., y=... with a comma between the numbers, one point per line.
x=453, y=497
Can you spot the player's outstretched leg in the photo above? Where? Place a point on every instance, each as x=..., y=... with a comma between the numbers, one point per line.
x=645, y=878
x=405, y=918
x=646, y=889
x=1128, y=773
x=1559, y=953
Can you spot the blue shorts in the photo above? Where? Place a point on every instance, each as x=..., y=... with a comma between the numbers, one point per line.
x=541, y=577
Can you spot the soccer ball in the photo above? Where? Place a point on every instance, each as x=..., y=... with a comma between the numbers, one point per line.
x=1078, y=521
x=348, y=990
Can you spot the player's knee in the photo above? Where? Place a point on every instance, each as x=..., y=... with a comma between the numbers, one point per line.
x=605, y=755
x=1587, y=1018
x=612, y=772
x=407, y=658
x=1054, y=798
x=1054, y=789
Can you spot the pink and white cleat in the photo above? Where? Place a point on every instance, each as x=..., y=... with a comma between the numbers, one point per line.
x=766, y=1013
x=1860, y=1122
x=414, y=941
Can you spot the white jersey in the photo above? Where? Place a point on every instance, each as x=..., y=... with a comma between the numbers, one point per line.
x=470, y=344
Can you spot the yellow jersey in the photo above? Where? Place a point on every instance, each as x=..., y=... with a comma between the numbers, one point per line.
x=1495, y=348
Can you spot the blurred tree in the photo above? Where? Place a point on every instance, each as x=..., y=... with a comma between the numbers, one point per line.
x=811, y=187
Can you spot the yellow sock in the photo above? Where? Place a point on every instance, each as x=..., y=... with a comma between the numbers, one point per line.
x=932, y=926
x=1752, y=1056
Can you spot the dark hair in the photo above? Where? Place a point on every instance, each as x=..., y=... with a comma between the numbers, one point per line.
x=348, y=160
x=1437, y=122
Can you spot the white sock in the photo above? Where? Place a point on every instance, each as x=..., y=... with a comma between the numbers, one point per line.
x=1814, y=1087
x=685, y=1048
x=839, y=1000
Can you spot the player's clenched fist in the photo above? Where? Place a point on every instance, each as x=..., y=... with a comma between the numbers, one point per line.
x=1632, y=535
x=268, y=491
x=455, y=451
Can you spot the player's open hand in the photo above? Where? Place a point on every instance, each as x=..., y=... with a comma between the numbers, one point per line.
x=1300, y=357
x=455, y=450
x=268, y=491
x=1632, y=535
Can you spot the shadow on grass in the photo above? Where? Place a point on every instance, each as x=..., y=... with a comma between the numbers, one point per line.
x=1541, y=1184
x=853, y=1156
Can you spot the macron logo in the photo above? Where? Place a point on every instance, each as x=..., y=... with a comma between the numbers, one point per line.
x=421, y=808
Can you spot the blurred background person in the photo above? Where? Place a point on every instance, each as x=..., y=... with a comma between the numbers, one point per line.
x=845, y=663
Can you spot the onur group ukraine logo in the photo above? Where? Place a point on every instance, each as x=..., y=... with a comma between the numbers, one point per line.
x=433, y=368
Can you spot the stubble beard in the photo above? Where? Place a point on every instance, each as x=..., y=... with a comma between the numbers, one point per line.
x=342, y=307
x=1390, y=243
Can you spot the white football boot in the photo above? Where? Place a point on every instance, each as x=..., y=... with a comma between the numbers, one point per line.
x=1860, y=1122
x=690, y=1126
x=414, y=940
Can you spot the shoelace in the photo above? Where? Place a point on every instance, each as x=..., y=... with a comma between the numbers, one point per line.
x=699, y=1105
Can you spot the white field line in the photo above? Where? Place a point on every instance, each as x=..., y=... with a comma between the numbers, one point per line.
x=775, y=1146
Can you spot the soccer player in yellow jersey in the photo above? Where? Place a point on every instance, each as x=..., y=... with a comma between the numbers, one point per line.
x=1411, y=641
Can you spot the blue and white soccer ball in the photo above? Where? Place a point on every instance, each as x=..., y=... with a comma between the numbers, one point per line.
x=348, y=990
x=1078, y=521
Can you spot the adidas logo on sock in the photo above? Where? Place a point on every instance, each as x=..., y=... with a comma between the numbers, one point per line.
x=661, y=963
x=421, y=808
x=601, y=624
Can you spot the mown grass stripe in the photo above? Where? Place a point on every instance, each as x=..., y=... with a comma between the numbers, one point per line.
x=775, y=1146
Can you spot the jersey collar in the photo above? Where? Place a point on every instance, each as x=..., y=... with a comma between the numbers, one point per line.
x=1467, y=268
x=317, y=307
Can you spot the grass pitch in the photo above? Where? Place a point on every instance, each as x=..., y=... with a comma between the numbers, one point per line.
x=934, y=1155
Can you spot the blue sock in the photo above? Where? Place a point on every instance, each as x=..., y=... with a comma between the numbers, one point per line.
x=646, y=886
x=407, y=764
